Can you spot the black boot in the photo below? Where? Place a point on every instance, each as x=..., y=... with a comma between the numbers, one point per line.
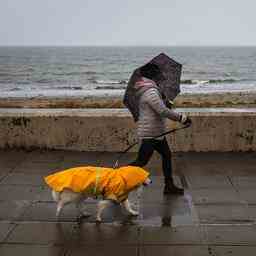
x=171, y=189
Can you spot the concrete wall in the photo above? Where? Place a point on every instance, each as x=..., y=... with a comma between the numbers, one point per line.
x=113, y=129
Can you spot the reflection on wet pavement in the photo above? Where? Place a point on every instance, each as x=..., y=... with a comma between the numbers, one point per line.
x=216, y=213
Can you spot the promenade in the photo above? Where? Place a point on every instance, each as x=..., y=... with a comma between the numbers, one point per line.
x=216, y=216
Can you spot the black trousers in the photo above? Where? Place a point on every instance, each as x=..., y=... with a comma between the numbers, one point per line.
x=146, y=151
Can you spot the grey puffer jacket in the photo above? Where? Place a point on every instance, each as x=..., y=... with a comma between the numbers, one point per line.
x=153, y=114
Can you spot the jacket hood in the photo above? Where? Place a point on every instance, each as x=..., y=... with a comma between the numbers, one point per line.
x=144, y=84
x=137, y=85
x=133, y=176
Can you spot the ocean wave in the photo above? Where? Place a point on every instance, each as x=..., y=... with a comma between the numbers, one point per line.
x=15, y=89
x=27, y=70
x=110, y=87
x=4, y=74
x=43, y=81
x=23, y=82
x=109, y=82
x=68, y=87
x=211, y=81
x=74, y=73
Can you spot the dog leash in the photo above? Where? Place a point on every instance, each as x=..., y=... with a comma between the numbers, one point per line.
x=137, y=142
x=96, y=181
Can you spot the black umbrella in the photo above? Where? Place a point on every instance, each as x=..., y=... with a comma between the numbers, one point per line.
x=169, y=86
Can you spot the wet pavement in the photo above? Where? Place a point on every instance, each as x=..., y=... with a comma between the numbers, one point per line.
x=216, y=216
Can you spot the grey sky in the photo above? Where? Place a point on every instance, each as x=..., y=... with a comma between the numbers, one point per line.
x=127, y=22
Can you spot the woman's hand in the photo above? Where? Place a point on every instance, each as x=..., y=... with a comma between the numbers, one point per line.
x=185, y=120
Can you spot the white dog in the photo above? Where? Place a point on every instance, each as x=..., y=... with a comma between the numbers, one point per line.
x=114, y=185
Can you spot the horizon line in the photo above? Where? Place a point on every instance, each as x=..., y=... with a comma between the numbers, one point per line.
x=116, y=45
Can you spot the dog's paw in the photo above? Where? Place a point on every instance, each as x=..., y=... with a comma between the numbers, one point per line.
x=85, y=214
x=79, y=220
x=98, y=220
x=134, y=213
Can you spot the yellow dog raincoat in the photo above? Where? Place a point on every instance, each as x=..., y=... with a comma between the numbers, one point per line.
x=112, y=183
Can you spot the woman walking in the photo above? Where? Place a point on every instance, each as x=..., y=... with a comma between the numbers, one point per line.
x=153, y=113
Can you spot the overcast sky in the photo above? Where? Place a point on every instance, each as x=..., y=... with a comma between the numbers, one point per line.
x=127, y=22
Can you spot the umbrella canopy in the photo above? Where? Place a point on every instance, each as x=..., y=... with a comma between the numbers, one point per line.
x=169, y=86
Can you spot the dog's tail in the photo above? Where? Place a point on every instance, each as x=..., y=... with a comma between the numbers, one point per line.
x=55, y=195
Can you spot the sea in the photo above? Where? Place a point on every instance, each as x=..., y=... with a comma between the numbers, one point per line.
x=65, y=70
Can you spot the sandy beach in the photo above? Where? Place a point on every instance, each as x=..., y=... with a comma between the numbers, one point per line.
x=113, y=99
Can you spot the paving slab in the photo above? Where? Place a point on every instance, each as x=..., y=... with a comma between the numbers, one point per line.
x=155, y=195
x=232, y=214
x=45, y=194
x=105, y=250
x=5, y=229
x=37, y=167
x=244, y=181
x=73, y=158
x=182, y=250
x=23, y=179
x=39, y=250
x=111, y=234
x=197, y=164
x=252, y=212
x=46, y=211
x=230, y=234
x=21, y=192
x=182, y=235
x=11, y=158
x=152, y=195
x=216, y=216
x=233, y=250
x=238, y=169
x=46, y=156
x=230, y=158
x=215, y=196
x=2, y=176
x=248, y=195
x=108, y=159
x=210, y=182
x=163, y=220
x=13, y=210
x=219, y=163
x=173, y=211
x=4, y=170
x=41, y=233
x=158, y=181
x=200, y=169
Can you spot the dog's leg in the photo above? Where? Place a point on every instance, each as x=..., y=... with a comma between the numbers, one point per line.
x=81, y=209
x=128, y=208
x=101, y=206
x=59, y=208
x=65, y=197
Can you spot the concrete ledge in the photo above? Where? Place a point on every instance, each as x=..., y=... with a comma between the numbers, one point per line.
x=213, y=129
